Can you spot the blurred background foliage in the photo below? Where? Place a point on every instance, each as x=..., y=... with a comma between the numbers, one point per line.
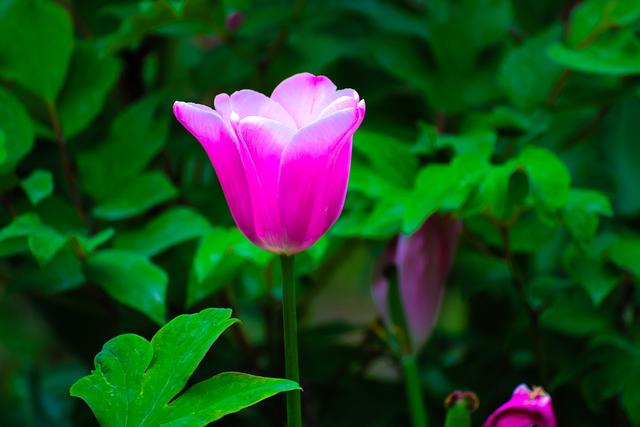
x=520, y=117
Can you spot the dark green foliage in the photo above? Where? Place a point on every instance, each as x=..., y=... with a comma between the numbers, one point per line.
x=522, y=118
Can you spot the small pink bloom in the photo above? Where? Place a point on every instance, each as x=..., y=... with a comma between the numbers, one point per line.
x=526, y=408
x=282, y=161
x=422, y=260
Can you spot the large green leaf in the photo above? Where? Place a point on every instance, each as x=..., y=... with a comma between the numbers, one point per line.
x=131, y=279
x=93, y=71
x=141, y=193
x=170, y=228
x=135, y=381
x=36, y=40
x=17, y=128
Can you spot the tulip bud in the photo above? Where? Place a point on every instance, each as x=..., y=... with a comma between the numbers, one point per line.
x=525, y=408
x=421, y=262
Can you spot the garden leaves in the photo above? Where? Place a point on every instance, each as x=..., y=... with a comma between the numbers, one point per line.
x=135, y=381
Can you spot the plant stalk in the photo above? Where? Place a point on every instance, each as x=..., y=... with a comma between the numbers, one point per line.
x=414, y=391
x=290, y=323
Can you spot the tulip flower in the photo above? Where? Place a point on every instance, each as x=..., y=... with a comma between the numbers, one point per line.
x=282, y=161
x=525, y=409
x=422, y=261
x=283, y=164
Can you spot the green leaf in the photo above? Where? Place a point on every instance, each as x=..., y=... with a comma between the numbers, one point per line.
x=592, y=17
x=443, y=187
x=576, y=317
x=43, y=241
x=527, y=74
x=581, y=214
x=135, y=381
x=588, y=268
x=36, y=40
x=17, y=128
x=616, y=53
x=479, y=142
x=625, y=253
x=218, y=258
x=140, y=194
x=433, y=186
x=387, y=156
x=548, y=176
x=93, y=71
x=38, y=185
x=131, y=279
x=136, y=136
x=62, y=273
x=170, y=228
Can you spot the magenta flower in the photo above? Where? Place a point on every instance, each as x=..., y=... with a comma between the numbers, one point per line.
x=422, y=261
x=283, y=161
x=526, y=408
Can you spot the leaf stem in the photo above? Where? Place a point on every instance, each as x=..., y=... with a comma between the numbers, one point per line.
x=65, y=162
x=414, y=391
x=290, y=323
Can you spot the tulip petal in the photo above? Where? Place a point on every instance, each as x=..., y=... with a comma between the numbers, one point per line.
x=264, y=140
x=208, y=128
x=303, y=96
x=423, y=261
x=247, y=103
x=313, y=177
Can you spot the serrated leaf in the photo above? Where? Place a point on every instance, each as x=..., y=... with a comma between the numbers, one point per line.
x=36, y=40
x=168, y=229
x=93, y=71
x=131, y=279
x=141, y=193
x=17, y=128
x=38, y=185
x=135, y=380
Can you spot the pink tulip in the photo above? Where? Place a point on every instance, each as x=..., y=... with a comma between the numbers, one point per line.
x=282, y=161
x=422, y=261
x=525, y=409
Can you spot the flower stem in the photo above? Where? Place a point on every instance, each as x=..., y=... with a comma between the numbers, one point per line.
x=290, y=322
x=414, y=391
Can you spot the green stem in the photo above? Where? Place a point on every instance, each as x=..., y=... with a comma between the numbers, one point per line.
x=414, y=391
x=290, y=322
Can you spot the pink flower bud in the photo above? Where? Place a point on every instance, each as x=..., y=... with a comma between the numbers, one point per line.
x=234, y=20
x=525, y=408
x=422, y=261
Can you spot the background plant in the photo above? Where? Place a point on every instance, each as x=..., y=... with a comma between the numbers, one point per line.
x=518, y=117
